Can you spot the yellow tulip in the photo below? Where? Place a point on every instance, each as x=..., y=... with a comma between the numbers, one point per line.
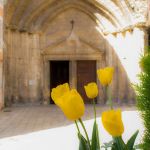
x=105, y=75
x=91, y=90
x=112, y=122
x=59, y=91
x=72, y=105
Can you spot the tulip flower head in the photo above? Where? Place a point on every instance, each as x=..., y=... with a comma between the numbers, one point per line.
x=91, y=90
x=105, y=75
x=59, y=91
x=69, y=101
x=112, y=122
x=72, y=105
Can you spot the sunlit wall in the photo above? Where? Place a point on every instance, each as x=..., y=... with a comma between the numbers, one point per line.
x=128, y=46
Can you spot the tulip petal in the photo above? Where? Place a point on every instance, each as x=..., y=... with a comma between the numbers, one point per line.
x=112, y=122
x=72, y=105
x=105, y=75
x=59, y=91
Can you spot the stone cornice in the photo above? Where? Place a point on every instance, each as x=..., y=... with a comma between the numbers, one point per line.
x=128, y=28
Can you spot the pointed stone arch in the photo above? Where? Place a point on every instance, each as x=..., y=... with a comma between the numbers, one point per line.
x=35, y=25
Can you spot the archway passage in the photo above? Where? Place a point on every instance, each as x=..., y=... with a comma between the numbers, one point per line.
x=59, y=74
x=86, y=72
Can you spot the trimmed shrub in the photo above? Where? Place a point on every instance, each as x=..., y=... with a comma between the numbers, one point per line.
x=143, y=98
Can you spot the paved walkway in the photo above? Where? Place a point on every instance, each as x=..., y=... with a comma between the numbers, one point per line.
x=20, y=120
x=45, y=127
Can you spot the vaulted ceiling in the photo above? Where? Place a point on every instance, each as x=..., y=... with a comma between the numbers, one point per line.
x=110, y=15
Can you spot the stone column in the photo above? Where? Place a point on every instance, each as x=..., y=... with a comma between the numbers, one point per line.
x=102, y=93
x=73, y=74
x=1, y=55
x=148, y=14
x=46, y=77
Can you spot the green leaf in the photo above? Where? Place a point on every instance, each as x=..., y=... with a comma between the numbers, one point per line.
x=119, y=144
x=139, y=146
x=83, y=143
x=108, y=145
x=95, y=145
x=114, y=147
x=131, y=141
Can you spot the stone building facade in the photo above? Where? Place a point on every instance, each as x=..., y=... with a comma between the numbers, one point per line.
x=48, y=42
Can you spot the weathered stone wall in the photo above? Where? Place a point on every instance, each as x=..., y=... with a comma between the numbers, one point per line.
x=148, y=14
x=62, y=42
x=27, y=56
x=1, y=56
x=22, y=67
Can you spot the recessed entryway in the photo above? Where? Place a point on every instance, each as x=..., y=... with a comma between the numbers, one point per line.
x=59, y=74
x=62, y=72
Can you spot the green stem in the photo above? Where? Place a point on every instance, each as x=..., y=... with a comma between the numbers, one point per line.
x=77, y=126
x=120, y=143
x=94, y=109
x=80, y=120
x=109, y=97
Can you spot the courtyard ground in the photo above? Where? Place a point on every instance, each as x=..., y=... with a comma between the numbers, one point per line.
x=46, y=128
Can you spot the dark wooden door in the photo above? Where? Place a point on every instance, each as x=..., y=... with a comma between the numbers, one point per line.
x=86, y=72
x=59, y=73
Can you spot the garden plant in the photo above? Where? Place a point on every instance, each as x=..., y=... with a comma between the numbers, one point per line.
x=143, y=97
x=72, y=105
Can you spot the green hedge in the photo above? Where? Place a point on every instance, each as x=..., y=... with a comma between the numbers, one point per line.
x=143, y=98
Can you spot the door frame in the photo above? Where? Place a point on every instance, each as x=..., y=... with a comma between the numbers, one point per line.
x=100, y=63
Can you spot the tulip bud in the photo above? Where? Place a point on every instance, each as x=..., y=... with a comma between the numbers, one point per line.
x=105, y=75
x=91, y=90
x=112, y=122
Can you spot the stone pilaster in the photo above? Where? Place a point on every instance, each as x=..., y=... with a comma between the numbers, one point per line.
x=148, y=14
x=1, y=55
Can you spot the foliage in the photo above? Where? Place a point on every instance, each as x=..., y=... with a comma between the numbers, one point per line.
x=85, y=143
x=143, y=97
x=118, y=144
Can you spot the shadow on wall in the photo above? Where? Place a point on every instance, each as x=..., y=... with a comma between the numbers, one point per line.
x=26, y=52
